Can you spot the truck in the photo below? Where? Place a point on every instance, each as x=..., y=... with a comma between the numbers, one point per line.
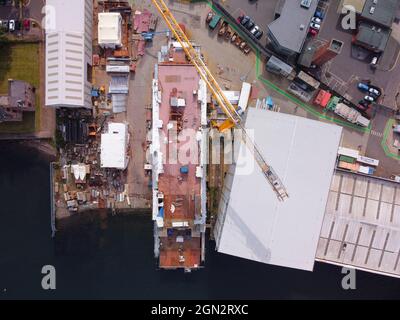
x=223, y=29
x=322, y=99
x=214, y=21
x=351, y=115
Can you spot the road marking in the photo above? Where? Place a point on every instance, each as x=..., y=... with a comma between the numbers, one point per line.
x=377, y=134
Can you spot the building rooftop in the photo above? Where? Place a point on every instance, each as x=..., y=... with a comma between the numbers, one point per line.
x=20, y=98
x=361, y=227
x=290, y=29
x=252, y=223
x=114, y=145
x=384, y=12
x=307, y=54
x=358, y=5
x=372, y=36
x=110, y=28
x=68, y=53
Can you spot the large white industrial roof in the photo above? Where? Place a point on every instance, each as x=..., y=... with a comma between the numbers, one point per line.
x=109, y=28
x=68, y=52
x=252, y=222
x=65, y=15
x=114, y=145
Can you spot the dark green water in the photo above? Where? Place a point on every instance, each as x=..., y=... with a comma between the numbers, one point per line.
x=114, y=259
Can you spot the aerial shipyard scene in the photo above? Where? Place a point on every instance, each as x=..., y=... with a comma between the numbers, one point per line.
x=225, y=149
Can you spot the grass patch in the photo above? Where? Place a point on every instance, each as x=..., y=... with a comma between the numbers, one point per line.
x=20, y=61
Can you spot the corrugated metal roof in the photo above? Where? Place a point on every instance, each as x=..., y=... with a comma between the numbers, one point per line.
x=68, y=53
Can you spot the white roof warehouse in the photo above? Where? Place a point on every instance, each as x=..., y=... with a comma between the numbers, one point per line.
x=109, y=29
x=114, y=146
x=68, y=53
x=252, y=223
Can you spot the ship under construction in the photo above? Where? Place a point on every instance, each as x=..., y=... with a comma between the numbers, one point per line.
x=178, y=159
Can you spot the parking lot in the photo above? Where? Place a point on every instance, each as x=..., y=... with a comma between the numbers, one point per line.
x=262, y=12
x=32, y=11
x=345, y=71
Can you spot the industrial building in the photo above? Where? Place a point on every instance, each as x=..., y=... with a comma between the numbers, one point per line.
x=372, y=37
x=110, y=30
x=114, y=146
x=361, y=228
x=374, y=19
x=252, y=223
x=20, y=98
x=288, y=32
x=69, y=53
x=356, y=5
x=179, y=167
x=381, y=12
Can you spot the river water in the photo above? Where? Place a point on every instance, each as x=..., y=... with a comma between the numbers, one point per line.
x=113, y=257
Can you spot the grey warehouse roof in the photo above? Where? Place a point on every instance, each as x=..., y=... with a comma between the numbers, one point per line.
x=252, y=223
x=291, y=28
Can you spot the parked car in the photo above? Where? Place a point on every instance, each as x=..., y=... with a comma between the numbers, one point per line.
x=250, y=24
x=363, y=86
x=315, y=26
x=259, y=34
x=316, y=20
x=374, y=92
x=362, y=107
x=374, y=61
x=255, y=28
x=313, y=32
x=244, y=20
x=364, y=103
x=5, y=25
x=369, y=98
x=319, y=14
x=27, y=24
x=11, y=25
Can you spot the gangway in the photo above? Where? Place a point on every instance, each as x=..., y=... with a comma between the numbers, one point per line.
x=234, y=118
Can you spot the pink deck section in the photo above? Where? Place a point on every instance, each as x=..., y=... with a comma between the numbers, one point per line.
x=181, y=191
x=141, y=21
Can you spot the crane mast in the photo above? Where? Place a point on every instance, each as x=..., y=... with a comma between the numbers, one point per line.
x=230, y=111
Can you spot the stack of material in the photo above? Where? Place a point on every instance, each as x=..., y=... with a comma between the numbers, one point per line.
x=141, y=24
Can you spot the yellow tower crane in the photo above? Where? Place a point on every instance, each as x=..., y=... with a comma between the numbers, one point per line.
x=234, y=118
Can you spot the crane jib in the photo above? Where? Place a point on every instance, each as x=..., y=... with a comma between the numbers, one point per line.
x=230, y=111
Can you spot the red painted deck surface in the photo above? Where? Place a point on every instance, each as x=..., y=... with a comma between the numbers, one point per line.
x=181, y=190
x=180, y=255
x=141, y=21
